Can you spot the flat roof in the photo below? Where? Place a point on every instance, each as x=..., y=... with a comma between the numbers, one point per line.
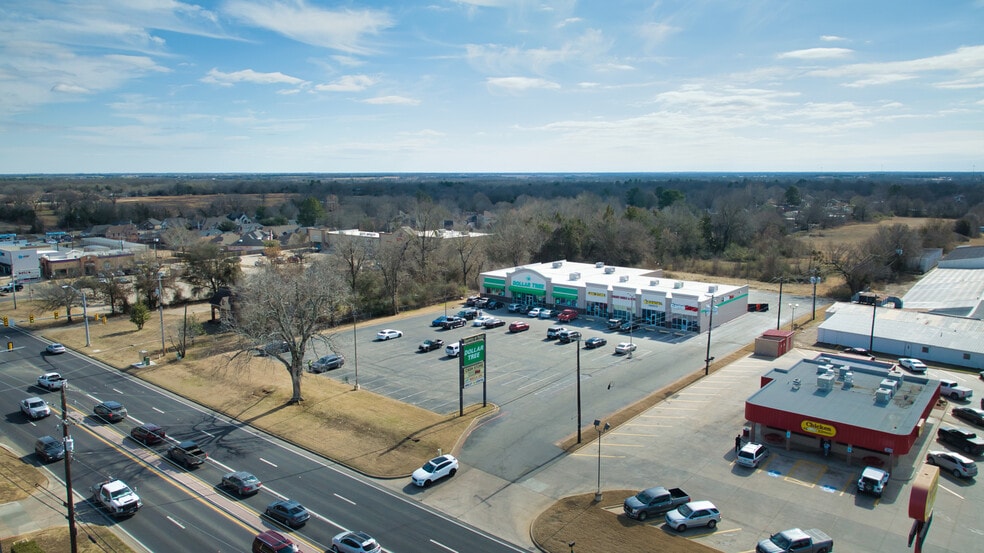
x=956, y=292
x=797, y=389
x=954, y=333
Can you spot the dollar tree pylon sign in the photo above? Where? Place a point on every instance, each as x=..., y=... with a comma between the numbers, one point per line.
x=472, y=360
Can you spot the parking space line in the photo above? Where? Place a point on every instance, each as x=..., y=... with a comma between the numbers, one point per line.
x=660, y=417
x=634, y=434
x=650, y=425
x=951, y=491
x=806, y=467
x=594, y=455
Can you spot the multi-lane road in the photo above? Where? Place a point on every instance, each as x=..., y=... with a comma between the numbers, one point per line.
x=187, y=508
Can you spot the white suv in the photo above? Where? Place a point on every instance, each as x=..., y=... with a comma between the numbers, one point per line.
x=35, y=408
x=955, y=463
x=751, y=454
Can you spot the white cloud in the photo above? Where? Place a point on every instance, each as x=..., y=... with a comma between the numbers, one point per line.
x=520, y=84
x=965, y=60
x=342, y=29
x=498, y=59
x=569, y=21
x=215, y=76
x=832, y=38
x=348, y=61
x=392, y=100
x=69, y=89
x=655, y=33
x=348, y=83
x=816, y=53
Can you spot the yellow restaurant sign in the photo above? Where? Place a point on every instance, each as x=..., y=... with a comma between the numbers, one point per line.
x=820, y=428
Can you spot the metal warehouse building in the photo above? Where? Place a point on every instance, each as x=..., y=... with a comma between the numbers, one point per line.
x=860, y=406
x=619, y=292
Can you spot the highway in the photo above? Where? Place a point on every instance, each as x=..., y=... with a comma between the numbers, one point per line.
x=186, y=508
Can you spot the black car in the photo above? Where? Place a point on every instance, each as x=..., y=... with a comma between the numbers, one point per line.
x=468, y=314
x=148, y=434
x=493, y=323
x=594, y=342
x=630, y=326
x=110, y=411
x=430, y=345
x=453, y=322
x=970, y=414
x=49, y=449
x=273, y=348
x=966, y=441
x=288, y=512
x=494, y=304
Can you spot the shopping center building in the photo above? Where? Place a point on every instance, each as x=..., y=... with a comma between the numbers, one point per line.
x=618, y=292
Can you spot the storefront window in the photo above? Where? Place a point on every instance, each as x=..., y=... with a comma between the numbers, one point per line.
x=653, y=317
x=597, y=309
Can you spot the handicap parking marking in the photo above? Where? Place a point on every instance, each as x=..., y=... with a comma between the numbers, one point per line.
x=836, y=481
x=806, y=473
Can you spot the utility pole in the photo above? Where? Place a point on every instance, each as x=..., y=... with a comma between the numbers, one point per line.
x=779, y=307
x=69, y=447
x=160, y=305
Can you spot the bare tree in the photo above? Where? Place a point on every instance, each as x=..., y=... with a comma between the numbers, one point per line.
x=356, y=253
x=54, y=297
x=180, y=238
x=469, y=253
x=392, y=260
x=289, y=303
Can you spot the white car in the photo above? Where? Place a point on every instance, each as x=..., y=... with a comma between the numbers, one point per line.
x=535, y=312
x=751, y=454
x=695, y=513
x=546, y=314
x=514, y=307
x=481, y=320
x=55, y=348
x=955, y=463
x=624, y=347
x=388, y=333
x=35, y=408
x=434, y=470
x=354, y=542
x=914, y=365
x=51, y=381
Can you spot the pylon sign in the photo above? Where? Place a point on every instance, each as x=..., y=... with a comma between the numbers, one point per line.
x=472, y=361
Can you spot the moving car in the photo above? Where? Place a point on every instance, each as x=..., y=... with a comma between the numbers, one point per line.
x=54, y=349
x=110, y=411
x=914, y=365
x=430, y=345
x=51, y=381
x=34, y=408
x=970, y=414
x=518, y=326
x=594, y=342
x=494, y=323
x=187, y=454
x=481, y=320
x=434, y=470
x=288, y=512
x=693, y=514
x=241, y=483
x=751, y=454
x=272, y=541
x=873, y=481
x=388, y=334
x=439, y=321
x=954, y=463
x=354, y=542
x=148, y=434
x=49, y=449
x=327, y=363
x=452, y=349
x=624, y=347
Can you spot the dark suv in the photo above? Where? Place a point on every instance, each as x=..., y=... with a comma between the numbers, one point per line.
x=148, y=434
x=453, y=322
x=110, y=411
x=49, y=449
x=468, y=314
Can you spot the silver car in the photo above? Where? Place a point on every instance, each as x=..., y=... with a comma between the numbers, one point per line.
x=955, y=463
x=695, y=513
x=327, y=363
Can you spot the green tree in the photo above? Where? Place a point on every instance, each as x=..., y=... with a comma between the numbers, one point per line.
x=793, y=196
x=208, y=268
x=139, y=315
x=310, y=212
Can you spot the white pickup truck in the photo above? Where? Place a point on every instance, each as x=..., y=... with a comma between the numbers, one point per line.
x=116, y=497
x=51, y=381
x=952, y=390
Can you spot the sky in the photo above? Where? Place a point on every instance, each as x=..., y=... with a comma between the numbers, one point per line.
x=319, y=86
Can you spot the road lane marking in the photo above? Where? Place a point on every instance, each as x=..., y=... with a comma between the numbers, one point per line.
x=158, y=410
x=274, y=465
x=951, y=491
x=441, y=545
x=345, y=499
x=176, y=523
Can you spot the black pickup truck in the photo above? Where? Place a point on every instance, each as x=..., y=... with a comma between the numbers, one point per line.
x=188, y=454
x=966, y=441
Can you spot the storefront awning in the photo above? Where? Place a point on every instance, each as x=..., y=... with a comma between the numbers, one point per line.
x=524, y=290
x=564, y=293
x=499, y=283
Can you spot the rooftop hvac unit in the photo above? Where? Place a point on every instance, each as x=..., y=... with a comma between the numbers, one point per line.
x=848, y=379
x=623, y=278
x=599, y=264
x=823, y=360
x=712, y=289
x=654, y=282
x=575, y=276
x=678, y=284
x=842, y=370
x=883, y=395
x=889, y=384
x=825, y=381
x=557, y=264
x=895, y=375
x=822, y=369
x=609, y=270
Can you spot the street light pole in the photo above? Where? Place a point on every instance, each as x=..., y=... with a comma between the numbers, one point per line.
x=85, y=311
x=814, y=280
x=601, y=430
x=871, y=340
x=779, y=314
x=792, y=321
x=160, y=305
x=579, y=390
x=355, y=347
x=710, y=326
x=69, y=448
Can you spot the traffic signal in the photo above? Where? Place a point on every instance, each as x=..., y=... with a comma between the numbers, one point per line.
x=6, y=321
x=56, y=314
x=31, y=318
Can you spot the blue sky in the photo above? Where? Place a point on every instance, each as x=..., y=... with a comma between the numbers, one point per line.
x=125, y=86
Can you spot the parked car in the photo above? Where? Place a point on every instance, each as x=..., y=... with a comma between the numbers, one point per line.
x=452, y=349
x=439, y=321
x=595, y=342
x=546, y=313
x=148, y=434
x=481, y=320
x=554, y=332
x=630, y=326
x=873, y=481
x=54, y=349
x=492, y=305
x=470, y=300
x=567, y=315
x=654, y=501
x=751, y=455
x=434, y=470
x=327, y=363
x=953, y=390
x=914, y=365
x=288, y=512
x=273, y=348
x=518, y=326
x=480, y=303
x=354, y=542
x=795, y=540
x=535, y=312
x=454, y=322
x=569, y=336
x=970, y=414
x=515, y=307
x=964, y=440
x=614, y=324
x=241, y=483
x=388, y=334
x=468, y=314
x=430, y=345
x=860, y=352
x=624, y=347
x=110, y=411
x=49, y=449
x=34, y=408
x=494, y=323
x=954, y=463
x=692, y=515
x=272, y=541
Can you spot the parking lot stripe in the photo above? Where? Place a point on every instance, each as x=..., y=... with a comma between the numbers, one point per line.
x=951, y=491
x=801, y=471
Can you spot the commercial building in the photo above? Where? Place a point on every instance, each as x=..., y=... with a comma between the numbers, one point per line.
x=861, y=407
x=618, y=292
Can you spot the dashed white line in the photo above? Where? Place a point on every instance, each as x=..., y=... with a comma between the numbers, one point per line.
x=158, y=410
x=176, y=523
x=441, y=545
x=345, y=499
x=118, y=391
x=274, y=465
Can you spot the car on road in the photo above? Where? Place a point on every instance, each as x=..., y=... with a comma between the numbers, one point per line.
x=288, y=512
x=452, y=349
x=751, y=455
x=430, y=345
x=630, y=326
x=110, y=411
x=494, y=323
x=569, y=336
x=624, y=347
x=518, y=326
x=148, y=434
x=534, y=313
x=914, y=365
x=692, y=515
x=49, y=449
x=327, y=363
x=468, y=313
x=54, y=349
x=453, y=322
x=272, y=541
x=34, y=408
x=51, y=381
x=970, y=414
x=241, y=483
x=434, y=470
x=595, y=342
x=954, y=463
x=439, y=321
x=388, y=334
x=796, y=540
x=273, y=348
x=354, y=542
x=873, y=481
x=481, y=320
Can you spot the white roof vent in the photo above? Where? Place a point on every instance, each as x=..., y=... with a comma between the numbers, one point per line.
x=654, y=282
x=678, y=284
x=575, y=276
x=848, y=379
x=599, y=264
x=889, y=384
x=623, y=278
x=609, y=270
x=796, y=384
x=557, y=264
x=712, y=288
x=822, y=369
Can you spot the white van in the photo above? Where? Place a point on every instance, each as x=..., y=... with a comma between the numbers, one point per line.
x=452, y=350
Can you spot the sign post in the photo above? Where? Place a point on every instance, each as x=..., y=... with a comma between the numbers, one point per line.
x=471, y=368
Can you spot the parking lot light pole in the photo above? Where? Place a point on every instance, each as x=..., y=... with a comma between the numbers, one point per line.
x=710, y=325
x=630, y=334
x=355, y=346
x=85, y=311
x=579, y=390
x=601, y=430
x=792, y=320
x=814, y=280
x=160, y=306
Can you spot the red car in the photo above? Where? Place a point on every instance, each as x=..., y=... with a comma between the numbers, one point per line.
x=518, y=326
x=567, y=315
